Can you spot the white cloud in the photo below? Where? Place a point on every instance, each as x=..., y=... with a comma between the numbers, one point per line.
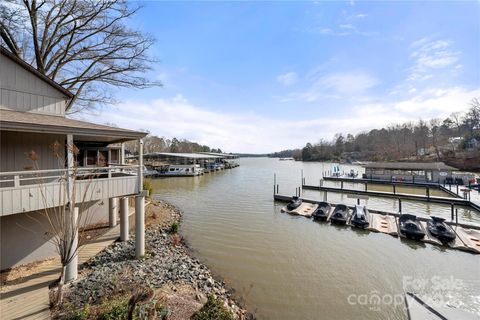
x=338, y=85
x=177, y=117
x=343, y=30
x=430, y=55
x=288, y=79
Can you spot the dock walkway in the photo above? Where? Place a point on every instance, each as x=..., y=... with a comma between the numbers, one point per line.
x=29, y=299
x=405, y=196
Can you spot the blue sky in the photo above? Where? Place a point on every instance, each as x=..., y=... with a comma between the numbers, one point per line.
x=265, y=76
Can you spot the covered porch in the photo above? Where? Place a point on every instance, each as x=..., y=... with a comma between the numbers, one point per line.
x=85, y=160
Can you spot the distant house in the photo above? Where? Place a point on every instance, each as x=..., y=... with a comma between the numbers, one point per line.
x=409, y=171
x=472, y=144
x=32, y=118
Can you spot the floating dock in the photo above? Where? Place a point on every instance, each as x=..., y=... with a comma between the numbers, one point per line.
x=396, y=183
x=403, y=196
x=468, y=235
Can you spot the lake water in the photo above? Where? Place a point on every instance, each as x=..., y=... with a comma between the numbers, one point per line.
x=287, y=267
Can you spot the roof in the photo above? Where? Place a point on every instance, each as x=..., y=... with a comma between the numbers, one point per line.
x=228, y=155
x=36, y=122
x=31, y=69
x=182, y=155
x=409, y=165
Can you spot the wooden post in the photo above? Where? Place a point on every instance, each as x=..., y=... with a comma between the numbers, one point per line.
x=302, y=178
x=451, y=208
x=428, y=193
x=394, y=189
x=358, y=201
x=124, y=219
x=456, y=216
x=457, y=188
x=274, y=182
x=399, y=205
x=139, y=226
x=366, y=186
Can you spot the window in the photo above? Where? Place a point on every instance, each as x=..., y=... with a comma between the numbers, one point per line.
x=102, y=158
x=172, y=169
x=91, y=157
x=114, y=156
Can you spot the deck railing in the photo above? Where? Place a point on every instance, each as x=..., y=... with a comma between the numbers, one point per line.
x=24, y=191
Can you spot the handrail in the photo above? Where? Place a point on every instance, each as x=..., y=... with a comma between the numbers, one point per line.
x=13, y=173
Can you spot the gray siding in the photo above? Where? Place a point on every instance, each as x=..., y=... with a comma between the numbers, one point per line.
x=23, y=236
x=15, y=146
x=20, y=90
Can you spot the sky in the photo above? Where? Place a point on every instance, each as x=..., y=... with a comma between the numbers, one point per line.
x=258, y=77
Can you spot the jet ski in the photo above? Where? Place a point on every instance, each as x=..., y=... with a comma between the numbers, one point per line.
x=440, y=230
x=360, y=217
x=410, y=227
x=322, y=212
x=340, y=214
x=294, y=203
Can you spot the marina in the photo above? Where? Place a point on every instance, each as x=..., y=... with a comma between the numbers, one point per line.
x=255, y=247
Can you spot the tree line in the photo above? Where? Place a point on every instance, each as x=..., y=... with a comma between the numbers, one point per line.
x=417, y=140
x=153, y=143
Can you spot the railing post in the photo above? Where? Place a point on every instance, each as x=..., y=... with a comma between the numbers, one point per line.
x=16, y=180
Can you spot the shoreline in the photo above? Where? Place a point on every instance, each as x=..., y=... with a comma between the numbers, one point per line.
x=170, y=269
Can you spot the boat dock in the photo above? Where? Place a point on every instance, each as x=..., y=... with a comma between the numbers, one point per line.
x=467, y=235
x=404, y=196
x=393, y=182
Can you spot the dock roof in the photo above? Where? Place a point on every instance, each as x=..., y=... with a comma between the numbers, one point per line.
x=183, y=155
x=409, y=166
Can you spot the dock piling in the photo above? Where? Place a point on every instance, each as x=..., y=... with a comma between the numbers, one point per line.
x=358, y=201
x=399, y=205
x=341, y=185
x=456, y=216
x=394, y=189
x=277, y=188
x=452, y=206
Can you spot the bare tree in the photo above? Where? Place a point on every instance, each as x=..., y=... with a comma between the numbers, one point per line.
x=84, y=45
x=62, y=225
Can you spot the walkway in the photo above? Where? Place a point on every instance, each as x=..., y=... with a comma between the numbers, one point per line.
x=30, y=298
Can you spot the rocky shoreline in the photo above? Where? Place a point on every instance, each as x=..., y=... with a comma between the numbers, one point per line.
x=168, y=264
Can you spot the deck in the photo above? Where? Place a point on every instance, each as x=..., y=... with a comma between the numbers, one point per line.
x=29, y=298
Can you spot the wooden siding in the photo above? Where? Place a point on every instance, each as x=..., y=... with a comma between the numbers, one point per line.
x=30, y=198
x=20, y=90
x=15, y=146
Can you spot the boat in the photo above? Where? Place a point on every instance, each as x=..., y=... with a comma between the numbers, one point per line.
x=286, y=159
x=360, y=217
x=294, y=203
x=340, y=214
x=410, y=227
x=322, y=212
x=178, y=170
x=147, y=172
x=440, y=230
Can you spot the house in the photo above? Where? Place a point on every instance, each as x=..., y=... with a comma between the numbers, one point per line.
x=434, y=172
x=32, y=118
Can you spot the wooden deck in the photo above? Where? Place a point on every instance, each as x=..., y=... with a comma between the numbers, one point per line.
x=29, y=299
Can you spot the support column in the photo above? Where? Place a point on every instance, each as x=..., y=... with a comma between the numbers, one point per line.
x=124, y=219
x=112, y=212
x=71, y=270
x=139, y=226
x=140, y=165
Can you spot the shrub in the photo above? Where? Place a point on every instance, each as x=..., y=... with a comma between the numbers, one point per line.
x=78, y=314
x=213, y=309
x=113, y=309
x=174, y=227
x=147, y=185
